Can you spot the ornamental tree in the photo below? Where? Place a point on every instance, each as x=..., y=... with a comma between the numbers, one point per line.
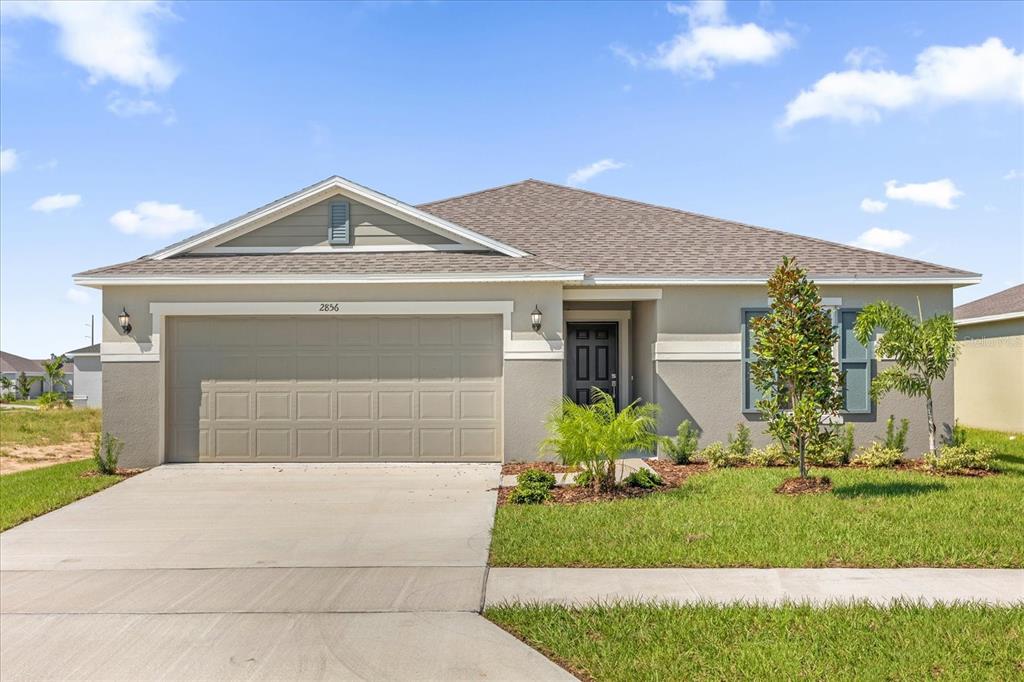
x=922, y=351
x=795, y=369
x=53, y=370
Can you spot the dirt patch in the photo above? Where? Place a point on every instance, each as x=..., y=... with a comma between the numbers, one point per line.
x=804, y=486
x=15, y=458
x=516, y=468
x=125, y=473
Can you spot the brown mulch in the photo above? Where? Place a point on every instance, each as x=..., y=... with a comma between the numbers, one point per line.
x=803, y=486
x=920, y=467
x=516, y=468
x=125, y=473
x=675, y=474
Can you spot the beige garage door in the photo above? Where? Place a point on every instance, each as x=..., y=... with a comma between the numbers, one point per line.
x=310, y=389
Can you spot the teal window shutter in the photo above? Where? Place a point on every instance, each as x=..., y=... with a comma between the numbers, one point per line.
x=855, y=364
x=338, y=231
x=750, y=393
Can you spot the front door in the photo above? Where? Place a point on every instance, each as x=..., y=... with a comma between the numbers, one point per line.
x=593, y=360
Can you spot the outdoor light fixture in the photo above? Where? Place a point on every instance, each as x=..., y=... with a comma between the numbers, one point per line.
x=125, y=320
x=536, y=317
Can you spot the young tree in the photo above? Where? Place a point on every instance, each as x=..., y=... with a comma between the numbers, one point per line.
x=6, y=387
x=795, y=369
x=53, y=370
x=23, y=386
x=922, y=350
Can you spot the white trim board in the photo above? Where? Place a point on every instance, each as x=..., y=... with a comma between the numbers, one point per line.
x=611, y=294
x=381, y=248
x=967, y=321
x=318, y=192
x=99, y=281
x=632, y=280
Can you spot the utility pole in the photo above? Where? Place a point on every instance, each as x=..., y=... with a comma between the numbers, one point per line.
x=92, y=330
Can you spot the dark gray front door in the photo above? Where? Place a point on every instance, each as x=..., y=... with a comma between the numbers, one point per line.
x=593, y=360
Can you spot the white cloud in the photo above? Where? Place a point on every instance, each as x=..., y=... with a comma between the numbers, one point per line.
x=867, y=56
x=943, y=75
x=55, y=202
x=711, y=42
x=938, y=193
x=154, y=219
x=78, y=295
x=872, y=205
x=1013, y=174
x=8, y=160
x=581, y=176
x=130, y=107
x=880, y=239
x=115, y=40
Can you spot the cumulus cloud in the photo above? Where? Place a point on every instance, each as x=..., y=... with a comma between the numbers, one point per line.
x=55, y=202
x=989, y=72
x=880, y=239
x=938, y=193
x=130, y=107
x=154, y=219
x=110, y=40
x=78, y=295
x=8, y=160
x=1013, y=174
x=867, y=56
x=872, y=205
x=710, y=42
x=583, y=175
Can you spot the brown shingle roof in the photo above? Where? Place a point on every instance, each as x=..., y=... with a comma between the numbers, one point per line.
x=12, y=364
x=567, y=229
x=1000, y=303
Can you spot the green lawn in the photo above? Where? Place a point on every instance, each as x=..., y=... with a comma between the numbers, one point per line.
x=731, y=517
x=27, y=494
x=705, y=642
x=47, y=427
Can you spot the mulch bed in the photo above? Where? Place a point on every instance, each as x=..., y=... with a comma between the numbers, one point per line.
x=675, y=474
x=920, y=467
x=124, y=473
x=804, y=486
x=516, y=468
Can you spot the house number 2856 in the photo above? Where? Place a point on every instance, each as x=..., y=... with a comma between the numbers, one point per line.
x=329, y=307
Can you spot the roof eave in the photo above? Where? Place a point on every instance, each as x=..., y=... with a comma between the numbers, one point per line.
x=99, y=281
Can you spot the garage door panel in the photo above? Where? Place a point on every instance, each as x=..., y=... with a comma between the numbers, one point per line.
x=319, y=389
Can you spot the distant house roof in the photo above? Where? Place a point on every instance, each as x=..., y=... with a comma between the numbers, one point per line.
x=566, y=234
x=1002, y=305
x=15, y=364
x=94, y=349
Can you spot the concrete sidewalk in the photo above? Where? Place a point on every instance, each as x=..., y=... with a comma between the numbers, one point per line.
x=580, y=586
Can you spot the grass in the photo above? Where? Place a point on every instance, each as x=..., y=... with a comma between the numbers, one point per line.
x=28, y=494
x=706, y=642
x=47, y=427
x=731, y=517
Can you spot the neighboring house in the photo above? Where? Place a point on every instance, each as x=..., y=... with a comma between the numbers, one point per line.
x=338, y=323
x=990, y=368
x=12, y=365
x=87, y=376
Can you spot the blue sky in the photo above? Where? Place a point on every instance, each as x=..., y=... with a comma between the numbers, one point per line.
x=125, y=126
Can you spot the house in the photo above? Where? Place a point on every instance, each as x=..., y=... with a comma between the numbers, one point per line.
x=990, y=368
x=87, y=376
x=339, y=323
x=11, y=366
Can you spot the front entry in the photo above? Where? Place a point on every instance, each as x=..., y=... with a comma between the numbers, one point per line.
x=592, y=360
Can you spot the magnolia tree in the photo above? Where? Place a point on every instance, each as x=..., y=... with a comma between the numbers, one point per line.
x=795, y=370
x=921, y=349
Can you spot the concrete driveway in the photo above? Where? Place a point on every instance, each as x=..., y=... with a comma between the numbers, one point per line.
x=262, y=572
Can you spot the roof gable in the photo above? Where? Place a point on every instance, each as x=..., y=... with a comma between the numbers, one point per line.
x=1005, y=304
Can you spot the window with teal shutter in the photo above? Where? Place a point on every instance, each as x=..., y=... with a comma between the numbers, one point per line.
x=855, y=364
x=750, y=393
x=338, y=231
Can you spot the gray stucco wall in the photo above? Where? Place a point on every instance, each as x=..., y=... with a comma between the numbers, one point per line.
x=645, y=333
x=88, y=388
x=532, y=390
x=131, y=402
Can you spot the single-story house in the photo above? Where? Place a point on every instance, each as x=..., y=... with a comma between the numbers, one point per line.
x=11, y=366
x=339, y=323
x=990, y=368
x=87, y=375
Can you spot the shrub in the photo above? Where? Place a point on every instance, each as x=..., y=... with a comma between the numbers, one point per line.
x=718, y=456
x=828, y=455
x=52, y=400
x=643, y=478
x=896, y=439
x=682, y=448
x=741, y=445
x=106, y=450
x=845, y=444
x=537, y=476
x=953, y=458
x=771, y=455
x=529, y=493
x=877, y=456
x=585, y=479
x=956, y=436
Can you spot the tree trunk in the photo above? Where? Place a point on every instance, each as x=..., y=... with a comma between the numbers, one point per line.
x=803, y=462
x=931, y=421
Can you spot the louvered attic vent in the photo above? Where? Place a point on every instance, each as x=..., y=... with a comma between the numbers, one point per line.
x=338, y=231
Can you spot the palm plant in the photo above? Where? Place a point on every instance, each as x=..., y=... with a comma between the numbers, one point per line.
x=53, y=371
x=921, y=349
x=6, y=387
x=594, y=437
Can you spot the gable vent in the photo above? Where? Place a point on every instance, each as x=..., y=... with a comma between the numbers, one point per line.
x=338, y=230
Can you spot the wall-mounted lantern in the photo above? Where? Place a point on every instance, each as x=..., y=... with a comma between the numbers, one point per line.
x=536, y=317
x=125, y=320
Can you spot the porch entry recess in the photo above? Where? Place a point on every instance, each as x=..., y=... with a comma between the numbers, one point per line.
x=592, y=360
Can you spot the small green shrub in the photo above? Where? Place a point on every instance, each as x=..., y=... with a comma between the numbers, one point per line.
x=877, y=456
x=643, y=478
x=537, y=476
x=718, y=456
x=954, y=458
x=845, y=444
x=529, y=493
x=828, y=455
x=584, y=479
x=896, y=439
x=106, y=450
x=956, y=436
x=740, y=446
x=52, y=400
x=681, y=448
x=771, y=455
